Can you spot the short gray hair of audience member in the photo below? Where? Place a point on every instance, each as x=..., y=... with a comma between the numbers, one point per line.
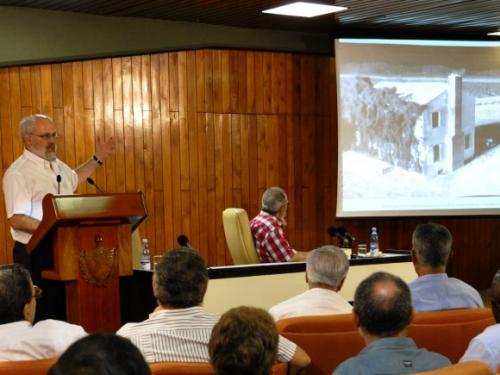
x=244, y=341
x=28, y=123
x=273, y=199
x=494, y=294
x=432, y=244
x=327, y=265
x=180, y=278
x=15, y=292
x=101, y=354
x=382, y=314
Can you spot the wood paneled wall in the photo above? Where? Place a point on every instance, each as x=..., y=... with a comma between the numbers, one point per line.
x=203, y=130
x=196, y=131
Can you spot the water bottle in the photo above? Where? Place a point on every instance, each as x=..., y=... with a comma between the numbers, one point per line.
x=374, y=250
x=145, y=256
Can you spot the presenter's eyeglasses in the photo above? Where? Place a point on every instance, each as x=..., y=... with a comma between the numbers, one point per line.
x=47, y=136
x=37, y=292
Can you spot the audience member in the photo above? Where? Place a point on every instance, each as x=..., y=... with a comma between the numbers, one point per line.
x=485, y=347
x=244, y=342
x=326, y=270
x=101, y=354
x=268, y=229
x=433, y=289
x=382, y=312
x=179, y=329
x=21, y=340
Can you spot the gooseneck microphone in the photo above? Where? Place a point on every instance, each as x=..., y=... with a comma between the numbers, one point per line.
x=92, y=182
x=184, y=241
x=58, y=179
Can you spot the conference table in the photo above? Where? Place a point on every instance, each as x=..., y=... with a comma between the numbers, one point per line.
x=260, y=285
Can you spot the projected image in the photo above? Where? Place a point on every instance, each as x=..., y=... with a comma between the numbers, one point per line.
x=418, y=135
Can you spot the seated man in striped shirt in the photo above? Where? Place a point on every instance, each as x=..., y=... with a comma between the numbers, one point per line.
x=179, y=329
x=267, y=229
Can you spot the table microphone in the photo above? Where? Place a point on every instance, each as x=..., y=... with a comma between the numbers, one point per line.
x=184, y=241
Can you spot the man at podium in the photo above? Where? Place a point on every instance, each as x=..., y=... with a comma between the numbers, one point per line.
x=36, y=173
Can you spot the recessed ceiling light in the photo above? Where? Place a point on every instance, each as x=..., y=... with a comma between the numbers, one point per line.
x=303, y=9
x=496, y=33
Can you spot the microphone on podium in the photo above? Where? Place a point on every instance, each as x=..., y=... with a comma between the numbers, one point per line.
x=92, y=182
x=58, y=179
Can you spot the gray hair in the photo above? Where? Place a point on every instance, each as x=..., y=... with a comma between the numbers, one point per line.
x=495, y=287
x=494, y=293
x=327, y=265
x=273, y=199
x=28, y=123
x=432, y=244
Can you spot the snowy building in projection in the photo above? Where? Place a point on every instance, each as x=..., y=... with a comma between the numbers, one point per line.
x=445, y=129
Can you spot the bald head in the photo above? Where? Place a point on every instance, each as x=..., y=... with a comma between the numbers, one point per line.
x=382, y=303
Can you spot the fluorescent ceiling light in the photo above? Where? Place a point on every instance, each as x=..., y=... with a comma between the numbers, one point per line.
x=303, y=9
x=496, y=33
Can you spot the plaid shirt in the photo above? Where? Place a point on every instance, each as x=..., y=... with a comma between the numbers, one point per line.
x=270, y=239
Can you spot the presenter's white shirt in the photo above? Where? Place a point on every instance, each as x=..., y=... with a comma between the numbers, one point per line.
x=315, y=301
x=485, y=347
x=21, y=341
x=28, y=179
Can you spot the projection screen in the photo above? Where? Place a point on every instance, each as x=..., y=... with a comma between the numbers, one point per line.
x=419, y=128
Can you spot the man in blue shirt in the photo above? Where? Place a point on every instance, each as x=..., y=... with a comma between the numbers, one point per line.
x=433, y=289
x=382, y=311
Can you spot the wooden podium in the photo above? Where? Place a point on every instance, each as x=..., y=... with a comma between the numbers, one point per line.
x=91, y=248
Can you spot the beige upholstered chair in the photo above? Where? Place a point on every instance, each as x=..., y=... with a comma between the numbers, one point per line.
x=238, y=236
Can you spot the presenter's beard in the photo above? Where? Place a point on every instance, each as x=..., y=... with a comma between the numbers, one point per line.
x=50, y=152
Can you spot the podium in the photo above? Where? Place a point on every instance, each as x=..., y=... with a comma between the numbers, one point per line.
x=91, y=248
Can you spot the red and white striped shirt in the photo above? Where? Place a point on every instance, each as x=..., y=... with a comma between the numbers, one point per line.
x=270, y=239
x=182, y=335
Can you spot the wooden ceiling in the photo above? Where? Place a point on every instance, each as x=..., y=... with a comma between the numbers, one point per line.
x=453, y=19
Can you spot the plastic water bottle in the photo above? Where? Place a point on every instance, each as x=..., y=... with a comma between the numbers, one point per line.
x=374, y=250
x=145, y=256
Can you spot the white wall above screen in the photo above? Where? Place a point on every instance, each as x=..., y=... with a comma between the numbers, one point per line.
x=419, y=128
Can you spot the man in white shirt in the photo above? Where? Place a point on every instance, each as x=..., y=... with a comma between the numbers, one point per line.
x=179, y=329
x=21, y=340
x=486, y=346
x=326, y=270
x=36, y=173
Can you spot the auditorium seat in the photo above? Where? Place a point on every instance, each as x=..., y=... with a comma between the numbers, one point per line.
x=239, y=236
x=449, y=331
x=33, y=367
x=331, y=339
x=327, y=339
x=465, y=368
x=182, y=368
